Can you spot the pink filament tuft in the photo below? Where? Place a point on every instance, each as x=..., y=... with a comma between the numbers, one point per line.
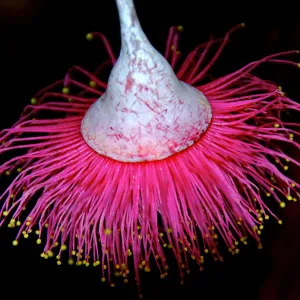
x=128, y=213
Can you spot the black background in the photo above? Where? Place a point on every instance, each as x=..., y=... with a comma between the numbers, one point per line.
x=41, y=39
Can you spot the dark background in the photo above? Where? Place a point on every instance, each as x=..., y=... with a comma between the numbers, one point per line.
x=41, y=39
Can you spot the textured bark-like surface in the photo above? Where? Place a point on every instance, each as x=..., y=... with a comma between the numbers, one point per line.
x=146, y=113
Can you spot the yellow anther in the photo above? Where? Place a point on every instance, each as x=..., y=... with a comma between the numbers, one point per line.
x=178, y=52
x=87, y=264
x=57, y=256
x=289, y=197
x=117, y=267
x=267, y=217
x=42, y=254
x=245, y=243
x=293, y=184
x=125, y=280
x=259, y=246
x=268, y=194
x=66, y=90
x=280, y=87
x=215, y=236
x=27, y=223
x=236, y=243
x=18, y=223
x=276, y=125
x=258, y=232
x=70, y=99
x=45, y=256
x=206, y=250
x=172, y=48
x=285, y=168
x=92, y=84
x=79, y=263
x=7, y=173
x=50, y=253
x=294, y=199
x=89, y=37
x=63, y=247
x=46, y=225
x=280, y=222
x=73, y=252
x=15, y=243
x=237, y=251
x=38, y=241
x=260, y=219
x=108, y=231
x=104, y=267
x=19, y=170
x=5, y=213
x=56, y=244
x=180, y=28
x=37, y=232
x=103, y=279
x=261, y=227
x=282, y=204
x=33, y=101
x=169, y=230
x=147, y=269
x=26, y=235
x=58, y=262
x=71, y=261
